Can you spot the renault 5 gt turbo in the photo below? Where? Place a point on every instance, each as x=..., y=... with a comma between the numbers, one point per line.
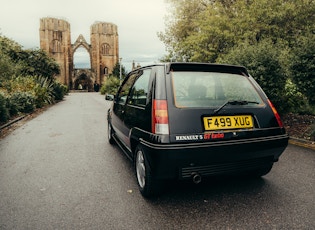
x=194, y=120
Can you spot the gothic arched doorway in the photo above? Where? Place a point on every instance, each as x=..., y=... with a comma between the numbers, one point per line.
x=83, y=82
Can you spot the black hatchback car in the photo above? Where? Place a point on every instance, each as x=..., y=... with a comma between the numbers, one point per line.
x=194, y=120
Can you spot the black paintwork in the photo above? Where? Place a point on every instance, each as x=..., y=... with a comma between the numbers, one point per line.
x=187, y=146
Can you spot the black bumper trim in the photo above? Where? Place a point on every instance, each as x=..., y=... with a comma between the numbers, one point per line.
x=283, y=137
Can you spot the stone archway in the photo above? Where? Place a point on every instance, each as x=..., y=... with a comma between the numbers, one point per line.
x=83, y=82
x=81, y=42
x=85, y=78
x=55, y=39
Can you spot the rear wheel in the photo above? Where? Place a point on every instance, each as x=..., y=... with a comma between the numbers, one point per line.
x=110, y=134
x=148, y=186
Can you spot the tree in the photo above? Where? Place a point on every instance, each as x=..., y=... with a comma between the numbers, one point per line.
x=111, y=84
x=26, y=79
x=204, y=30
x=26, y=62
x=180, y=25
x=303, y=66
x=262, y=35
x=37, y=63
x=6, y=68
x=263, y=63
x=9, y=47
x=8, y=50
x=116, y=71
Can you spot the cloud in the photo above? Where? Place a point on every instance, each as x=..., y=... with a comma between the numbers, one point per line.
x=138, y=22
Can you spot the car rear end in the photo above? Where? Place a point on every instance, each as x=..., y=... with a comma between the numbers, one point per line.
x=212, y=120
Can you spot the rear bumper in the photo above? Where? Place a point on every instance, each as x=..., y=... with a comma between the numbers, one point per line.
x=178, y=161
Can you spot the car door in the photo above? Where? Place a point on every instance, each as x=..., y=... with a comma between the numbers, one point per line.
x=138, y=109
x=119, y=108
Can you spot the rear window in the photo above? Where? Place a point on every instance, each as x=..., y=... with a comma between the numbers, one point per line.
x=211, y=89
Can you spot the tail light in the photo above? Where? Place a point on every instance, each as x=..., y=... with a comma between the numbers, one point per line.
x=276, y=114
x=160, y=117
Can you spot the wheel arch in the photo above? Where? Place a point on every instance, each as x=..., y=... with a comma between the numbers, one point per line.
x=134, y=136
x=133, y=145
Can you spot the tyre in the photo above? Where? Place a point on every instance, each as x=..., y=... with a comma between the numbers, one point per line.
x=110, y=134
x=148, y=186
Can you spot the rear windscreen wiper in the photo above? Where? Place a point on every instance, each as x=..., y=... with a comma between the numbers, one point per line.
x=234, y=103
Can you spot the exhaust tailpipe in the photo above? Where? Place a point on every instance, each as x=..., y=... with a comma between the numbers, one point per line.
x=196, y=178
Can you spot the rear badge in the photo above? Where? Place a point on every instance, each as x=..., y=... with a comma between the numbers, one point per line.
x=189, y=138
x=212, y=136
x=205, y=136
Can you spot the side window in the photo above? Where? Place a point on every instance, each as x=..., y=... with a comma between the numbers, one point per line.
x=139, y=91
x=124, y=91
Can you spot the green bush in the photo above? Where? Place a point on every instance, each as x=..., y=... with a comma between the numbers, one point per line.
x=4, y=111
x=110, y=86
x=20, y=84
x=303, y=66
x=42, y=96
x=13, y=107
x=6, y=68
x=44, y=91
x=24, y=101
x=26, y=79
x=296, y=101
x=60, y=91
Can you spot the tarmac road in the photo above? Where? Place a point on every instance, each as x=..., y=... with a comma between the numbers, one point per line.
x=58, y=171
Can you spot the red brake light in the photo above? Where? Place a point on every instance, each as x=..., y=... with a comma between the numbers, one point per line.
x=160, y=117
x=276, y=114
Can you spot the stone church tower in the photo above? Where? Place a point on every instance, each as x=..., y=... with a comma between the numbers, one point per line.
x=104, y=48
x=55, y=39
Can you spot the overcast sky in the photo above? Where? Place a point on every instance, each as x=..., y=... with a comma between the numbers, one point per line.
x=138, y=22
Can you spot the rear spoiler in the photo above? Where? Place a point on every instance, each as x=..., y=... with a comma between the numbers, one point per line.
x=205, y=67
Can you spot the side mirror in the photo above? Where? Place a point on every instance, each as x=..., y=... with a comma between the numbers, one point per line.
x=109, y=97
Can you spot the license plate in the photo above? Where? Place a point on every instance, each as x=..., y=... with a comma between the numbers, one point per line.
x=228, y=122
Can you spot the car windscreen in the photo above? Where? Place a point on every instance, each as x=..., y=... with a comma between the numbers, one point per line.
x=212, y=89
